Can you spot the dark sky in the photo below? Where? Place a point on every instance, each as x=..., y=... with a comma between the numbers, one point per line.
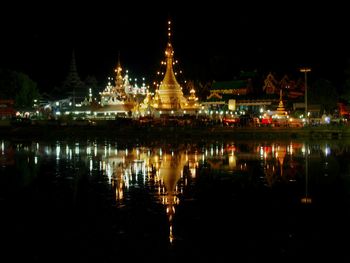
x=211, y=41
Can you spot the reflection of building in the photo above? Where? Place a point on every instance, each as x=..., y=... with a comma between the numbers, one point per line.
x=170, y=172
x=165, y=170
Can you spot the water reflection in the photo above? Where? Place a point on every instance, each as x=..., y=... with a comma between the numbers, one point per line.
x=173, y=174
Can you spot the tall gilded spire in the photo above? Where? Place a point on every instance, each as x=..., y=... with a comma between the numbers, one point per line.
x=170, y=92
x=169, y=31
x=119, y=77
x=169, y=55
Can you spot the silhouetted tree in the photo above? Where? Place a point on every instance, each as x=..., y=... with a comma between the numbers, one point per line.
x=19, y=87
x=27, y=91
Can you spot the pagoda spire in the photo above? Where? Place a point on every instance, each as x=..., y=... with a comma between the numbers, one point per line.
x=169, y=31
x=280, y=108
x=73, y=84
x=119, y=78
x=169, y=77
x=170, y=91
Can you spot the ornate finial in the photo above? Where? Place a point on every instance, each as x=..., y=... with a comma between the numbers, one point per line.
x=169, y=30
x=119, y=68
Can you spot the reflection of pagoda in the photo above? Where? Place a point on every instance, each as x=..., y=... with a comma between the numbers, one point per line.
x=280, y=155
x=169, y=96
x=170, y=172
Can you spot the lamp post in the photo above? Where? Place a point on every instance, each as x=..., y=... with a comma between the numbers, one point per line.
x=306, y=70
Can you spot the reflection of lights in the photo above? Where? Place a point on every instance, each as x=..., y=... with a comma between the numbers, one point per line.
x=232, y=161
x=77, y=149
x=193, y=172
x=109, y=172
x=327, y=150
x=36, y=159
x=306, y=200
x=2, y=147
x=88, y=150
x=58, y=151
x=90, y=166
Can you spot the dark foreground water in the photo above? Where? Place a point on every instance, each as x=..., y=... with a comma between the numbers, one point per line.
x=223, y=201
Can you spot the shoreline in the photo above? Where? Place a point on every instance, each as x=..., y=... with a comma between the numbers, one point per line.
x=173, y=132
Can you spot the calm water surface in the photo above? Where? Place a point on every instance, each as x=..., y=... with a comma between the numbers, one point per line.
x=243, y=201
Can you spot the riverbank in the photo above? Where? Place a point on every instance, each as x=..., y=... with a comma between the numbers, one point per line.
x=111, y=130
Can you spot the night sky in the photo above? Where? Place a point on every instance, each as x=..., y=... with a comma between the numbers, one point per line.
x=211, y=41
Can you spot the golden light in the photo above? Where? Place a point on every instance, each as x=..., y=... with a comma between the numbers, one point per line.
x=306, y=200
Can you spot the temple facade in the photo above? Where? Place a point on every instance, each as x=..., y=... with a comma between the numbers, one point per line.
x=122, y=97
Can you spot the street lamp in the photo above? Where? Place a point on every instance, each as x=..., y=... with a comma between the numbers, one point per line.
x=305, y=70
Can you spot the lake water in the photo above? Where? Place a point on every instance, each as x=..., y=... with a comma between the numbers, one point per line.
x=244, y=201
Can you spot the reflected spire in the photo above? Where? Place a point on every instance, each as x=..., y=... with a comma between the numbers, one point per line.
x=170, y=172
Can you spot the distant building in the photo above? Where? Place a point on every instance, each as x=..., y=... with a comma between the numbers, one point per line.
x=234, y=96
x=7, y=109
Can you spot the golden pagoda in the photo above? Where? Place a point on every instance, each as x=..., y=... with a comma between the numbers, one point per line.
x=281, y=111
x=170, y=92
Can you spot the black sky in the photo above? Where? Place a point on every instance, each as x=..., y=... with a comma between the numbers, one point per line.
x=211, y=41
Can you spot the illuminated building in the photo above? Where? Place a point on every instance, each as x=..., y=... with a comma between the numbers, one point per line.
x=120, y=97
x=169, y=97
